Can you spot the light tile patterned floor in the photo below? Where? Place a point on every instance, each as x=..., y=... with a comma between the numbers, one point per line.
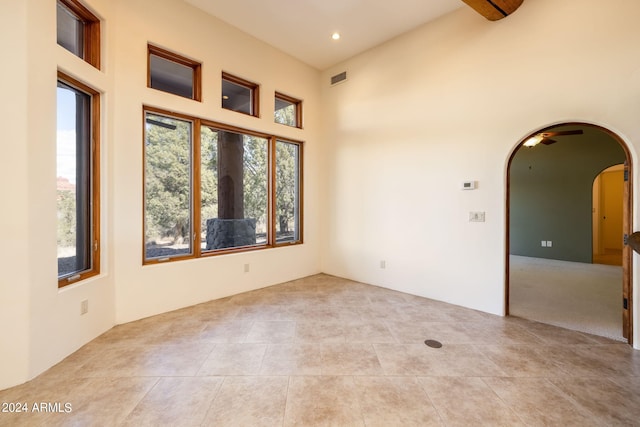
x=328, y=351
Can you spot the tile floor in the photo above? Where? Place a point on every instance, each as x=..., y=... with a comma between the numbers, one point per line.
x=328, y=351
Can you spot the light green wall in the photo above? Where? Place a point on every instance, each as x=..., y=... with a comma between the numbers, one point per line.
x=551, y=194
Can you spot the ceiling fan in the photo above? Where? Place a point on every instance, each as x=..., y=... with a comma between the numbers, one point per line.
x=545, y=137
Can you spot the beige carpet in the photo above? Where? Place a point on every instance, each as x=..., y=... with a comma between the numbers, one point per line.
x=577, y=296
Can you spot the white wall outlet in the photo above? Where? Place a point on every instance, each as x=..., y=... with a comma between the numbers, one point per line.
x=383, y=264
x=84, y=307
x=247, y=268
x=476, y=216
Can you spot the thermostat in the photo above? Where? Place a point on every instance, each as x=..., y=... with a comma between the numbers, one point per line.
x=469, y=185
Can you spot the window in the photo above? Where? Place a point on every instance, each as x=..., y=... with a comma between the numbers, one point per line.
x=78, y=31
x=239, y=95
x=288, y=184
x=78, y=212
x=210, y=188
x=288, y=110
x=167, y=187
x=233, y=189
x=173, y=73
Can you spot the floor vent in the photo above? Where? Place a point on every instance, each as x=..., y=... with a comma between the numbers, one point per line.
x=433, y=343
x=338, y=78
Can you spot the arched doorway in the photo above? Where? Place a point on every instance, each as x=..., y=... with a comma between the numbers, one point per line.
x=549, y=226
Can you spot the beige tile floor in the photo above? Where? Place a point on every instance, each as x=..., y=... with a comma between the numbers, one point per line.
x=328, y=351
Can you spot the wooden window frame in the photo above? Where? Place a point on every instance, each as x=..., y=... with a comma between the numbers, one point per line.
x=178, y=59
x=254, y=88
x=91, y=44
x=298, y=107
x=197, y=252
x=94, y=171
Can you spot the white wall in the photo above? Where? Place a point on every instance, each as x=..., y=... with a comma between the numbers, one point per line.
x=42, y=324
x=146, y=290
x=448, y=102
x=14, y=247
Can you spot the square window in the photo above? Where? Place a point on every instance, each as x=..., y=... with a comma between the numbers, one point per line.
x=288, y=110
x=78, y=31
x=173, y=73
x=239, y=95
x=234, y=188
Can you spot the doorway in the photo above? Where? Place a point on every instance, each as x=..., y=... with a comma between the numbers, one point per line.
x=608, y=201
x=550, y=229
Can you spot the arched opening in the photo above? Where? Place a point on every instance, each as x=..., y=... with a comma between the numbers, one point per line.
x=551, y=275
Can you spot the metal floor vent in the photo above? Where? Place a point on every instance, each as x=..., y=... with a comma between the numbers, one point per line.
x=433, y=343
x=338, y=78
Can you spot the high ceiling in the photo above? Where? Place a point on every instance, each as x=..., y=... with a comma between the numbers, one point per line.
x=303, y=28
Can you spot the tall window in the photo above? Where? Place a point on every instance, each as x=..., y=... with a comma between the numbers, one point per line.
x=288, y=193
x=212, y=188
x=168, y=194
x=77, y=147
x=173, y=73
x=78, y=31
x=288, y=110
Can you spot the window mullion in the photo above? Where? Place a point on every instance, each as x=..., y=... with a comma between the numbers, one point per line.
x=196, y=190
x=272, y=191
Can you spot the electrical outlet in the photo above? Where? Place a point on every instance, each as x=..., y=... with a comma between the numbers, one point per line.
x=543, y=243
x=549, y=243
x=84, y=307
x=383, y=264
x=247, y=268
x=476, y=216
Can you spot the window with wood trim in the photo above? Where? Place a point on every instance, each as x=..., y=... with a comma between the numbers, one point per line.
x=174, y=73
x=210, y=188
x=78, y=31
x=240, y=95
x=288, y=110
x=78, y=180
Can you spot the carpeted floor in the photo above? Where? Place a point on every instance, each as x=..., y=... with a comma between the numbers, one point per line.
x=582, y=297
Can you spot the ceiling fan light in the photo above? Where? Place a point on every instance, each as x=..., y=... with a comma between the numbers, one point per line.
x=533, y=141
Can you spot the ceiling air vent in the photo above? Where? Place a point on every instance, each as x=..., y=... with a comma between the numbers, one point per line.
x=338, y=78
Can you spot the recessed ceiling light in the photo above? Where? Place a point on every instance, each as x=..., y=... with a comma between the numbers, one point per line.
x=335, y=36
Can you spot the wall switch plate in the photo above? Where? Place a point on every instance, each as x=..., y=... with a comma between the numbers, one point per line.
x=543, y=243
x=383, y=264
x=247, y=268
x=84, y=307
x=549, y=243
x=469, y=185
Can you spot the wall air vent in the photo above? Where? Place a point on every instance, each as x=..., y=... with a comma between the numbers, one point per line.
x=338, y=78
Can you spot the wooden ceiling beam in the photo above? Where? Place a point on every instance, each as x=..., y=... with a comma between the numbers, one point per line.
x=494, y=10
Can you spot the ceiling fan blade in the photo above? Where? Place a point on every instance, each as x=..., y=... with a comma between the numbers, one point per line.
x=548, y=141
x=562, y=133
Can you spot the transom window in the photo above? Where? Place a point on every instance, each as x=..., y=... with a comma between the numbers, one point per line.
x=288, y=110
x=78, y=31
x=173, y=73
x=210, y=188
x=78, y=212
x=240, y=95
